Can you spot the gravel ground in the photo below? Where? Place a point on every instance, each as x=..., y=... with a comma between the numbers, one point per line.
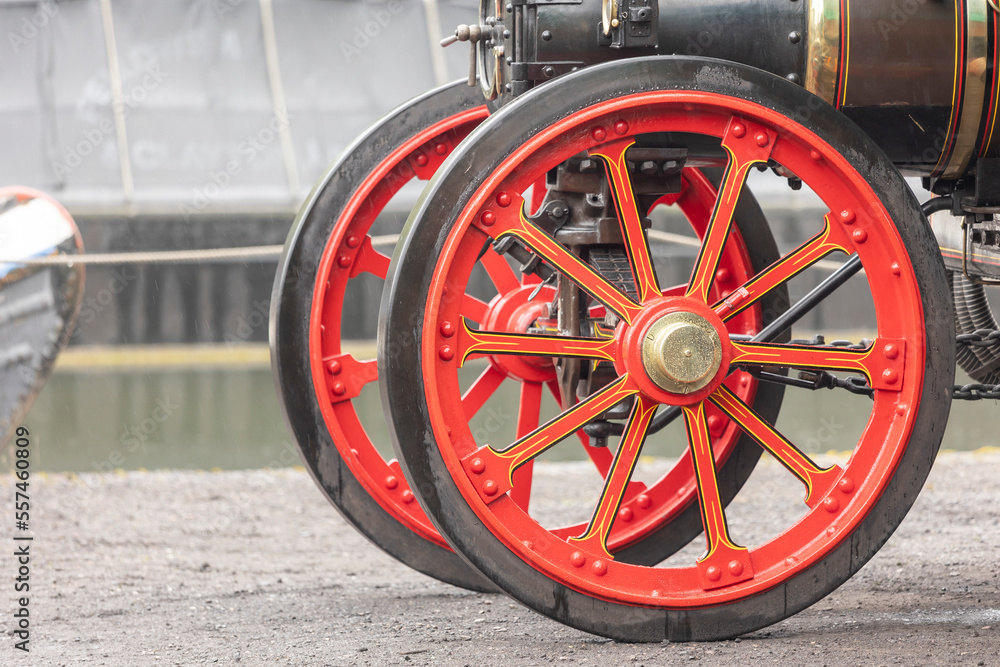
x=182, y=568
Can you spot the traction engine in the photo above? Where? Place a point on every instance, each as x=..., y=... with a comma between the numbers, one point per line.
x=591, y=267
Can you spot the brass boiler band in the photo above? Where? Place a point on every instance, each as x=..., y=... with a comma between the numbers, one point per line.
x=919, y=76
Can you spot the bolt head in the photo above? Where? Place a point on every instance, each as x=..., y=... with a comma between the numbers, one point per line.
x=334, y=367
x=600, y=568
x=441, y=148
x=831, y=504
x=891, y=351
x=713, y=573
x=625, y=514
x=343, y=261
x=859, y=236
x=739, y=131
x=643, y=501
x=421, y=160
x=447, y=329
x=890, y=375
x=391, y=482
x=353, y=241
x=477, y=466
x=577, y=559
x=621, y=127
x=447, y=353
x=488, y=218
x=716, y=425
x=735, y=568
x=338, y=389
x=599, y=134
x=846, y=484
x=407, y=496
x=490, y=488
x=762, y=139
x=504, y=199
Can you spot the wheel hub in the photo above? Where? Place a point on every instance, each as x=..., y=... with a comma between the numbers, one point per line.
x=682, y=352
x=515, y=312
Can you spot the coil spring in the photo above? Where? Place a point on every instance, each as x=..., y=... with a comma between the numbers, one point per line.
x=973, y=313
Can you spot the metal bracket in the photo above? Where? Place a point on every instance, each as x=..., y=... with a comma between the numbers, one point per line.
x=629, y=24
x=967, y=233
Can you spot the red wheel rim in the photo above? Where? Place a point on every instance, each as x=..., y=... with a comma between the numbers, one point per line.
x=339, y=377
x=838, y=497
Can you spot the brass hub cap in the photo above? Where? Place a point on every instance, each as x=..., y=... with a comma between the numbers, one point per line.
x=682, y=352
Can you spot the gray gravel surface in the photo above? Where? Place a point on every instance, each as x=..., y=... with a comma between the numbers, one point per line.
x=182, y=568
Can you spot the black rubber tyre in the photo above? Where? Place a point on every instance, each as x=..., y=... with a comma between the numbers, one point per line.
x=473, y=169
x=291, y=306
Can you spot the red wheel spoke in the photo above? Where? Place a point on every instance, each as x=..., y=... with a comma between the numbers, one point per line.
x=595, y=539
x=491, y=471
x=474, y=309
x=818, y=481
x=512, y=222
x=485, y=385
x=636, y=244
x=528, y=411
x=747, y=146
x=474, y=342
x=782, y=271
x=725, y=562
x=371, y=260
x=882, y=363
x=676, y=290
x=530, y=279
x=500, y=273
x=349, y=376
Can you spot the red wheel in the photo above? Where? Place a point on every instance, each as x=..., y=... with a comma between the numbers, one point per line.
x=666, y=350
x=330, y=249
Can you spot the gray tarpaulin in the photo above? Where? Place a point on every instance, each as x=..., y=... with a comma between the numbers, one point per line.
x=200, y=110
